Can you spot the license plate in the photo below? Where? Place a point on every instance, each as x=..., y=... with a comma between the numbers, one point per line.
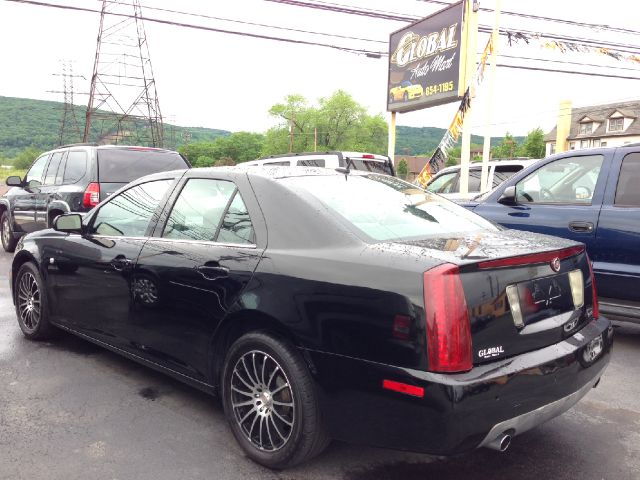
x=593, y=349
x=545, y=297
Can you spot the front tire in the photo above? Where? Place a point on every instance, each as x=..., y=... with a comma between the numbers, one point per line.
x=31, y=303
x=270, y=402
x=6, y=232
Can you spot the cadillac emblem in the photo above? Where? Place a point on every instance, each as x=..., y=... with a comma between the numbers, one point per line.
x=555, y=264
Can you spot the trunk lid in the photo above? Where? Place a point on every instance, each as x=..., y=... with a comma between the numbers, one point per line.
x=520, y=292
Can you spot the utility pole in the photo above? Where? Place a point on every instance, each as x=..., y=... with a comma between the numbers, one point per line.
x=391, y=151
x=470, y=56
x=486, y=148
x=315, y=139
x=123, y=93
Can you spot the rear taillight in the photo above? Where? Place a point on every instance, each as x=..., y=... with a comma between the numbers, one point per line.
x=448, y=329
x=594, y=292
x=91, y=196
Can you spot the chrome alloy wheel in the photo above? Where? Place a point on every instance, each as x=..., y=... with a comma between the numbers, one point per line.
x=6, y=232
x=29, y=302
x=262, y=400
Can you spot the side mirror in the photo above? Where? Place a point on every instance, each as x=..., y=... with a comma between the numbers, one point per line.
x=14, y=181
x=508, y=197
x=69, y=223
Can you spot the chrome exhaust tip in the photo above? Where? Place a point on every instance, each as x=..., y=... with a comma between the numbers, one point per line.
x=500, y=443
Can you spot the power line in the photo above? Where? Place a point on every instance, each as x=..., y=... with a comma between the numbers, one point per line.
x=571, y=72
x=200, y=15
x=596, y=26
x=482, y=28
x=368, y=53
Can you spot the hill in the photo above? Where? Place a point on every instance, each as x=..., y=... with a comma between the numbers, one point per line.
x=36, y=123
x=424, y=140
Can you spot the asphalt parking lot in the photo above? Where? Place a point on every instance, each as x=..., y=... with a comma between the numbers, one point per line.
x=71, y=410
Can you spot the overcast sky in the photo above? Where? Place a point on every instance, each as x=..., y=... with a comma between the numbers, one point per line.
x=229, y=82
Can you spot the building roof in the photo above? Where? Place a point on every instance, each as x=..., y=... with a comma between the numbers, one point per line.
x=415, y=164
x=600, y=113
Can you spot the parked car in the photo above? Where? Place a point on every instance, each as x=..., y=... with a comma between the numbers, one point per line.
x=368, y=162
x=591, y=196
x=447, y=181
x=405, y=91
x=323, y=305
x=74, y=178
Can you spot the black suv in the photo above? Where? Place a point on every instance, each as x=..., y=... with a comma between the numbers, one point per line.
x=74, y=178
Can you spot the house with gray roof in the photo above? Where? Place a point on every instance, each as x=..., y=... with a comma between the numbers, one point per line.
x=610, y=125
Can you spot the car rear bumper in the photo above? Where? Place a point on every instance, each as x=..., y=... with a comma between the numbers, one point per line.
x=458, y=412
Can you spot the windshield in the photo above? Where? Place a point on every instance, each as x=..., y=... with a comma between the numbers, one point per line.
x=387, y=208
x=122, y=165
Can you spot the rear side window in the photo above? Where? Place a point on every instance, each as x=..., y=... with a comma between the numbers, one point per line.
x=130, y=213
x=76, y=167
x=474, y=180
x=199, y=209
x=52, y=169
x=236, y=226
x=316, y=162
x=628, y=191
x=503, y=172
x=122, y=165
x=371, y=166
x=278, y=164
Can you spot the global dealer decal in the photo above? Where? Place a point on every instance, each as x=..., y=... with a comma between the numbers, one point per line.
x=424, y=61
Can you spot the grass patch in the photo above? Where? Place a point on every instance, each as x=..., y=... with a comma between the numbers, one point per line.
x=8, y=172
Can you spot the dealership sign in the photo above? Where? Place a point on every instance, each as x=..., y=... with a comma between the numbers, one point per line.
x=427, y=61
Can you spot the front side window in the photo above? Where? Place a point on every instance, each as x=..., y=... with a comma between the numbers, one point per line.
x=616, y=124
x=568, y=180
x=130, y=213
x=627, y=192
x=199, y=209
x=36, y=172
x=444, y=183
x=386, y=208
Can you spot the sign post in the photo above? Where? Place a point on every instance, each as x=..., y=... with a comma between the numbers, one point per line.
x=432, y=62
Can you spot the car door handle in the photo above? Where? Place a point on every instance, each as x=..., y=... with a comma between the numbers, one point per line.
x=213, y=272
x=121, y=263
x=581, y=227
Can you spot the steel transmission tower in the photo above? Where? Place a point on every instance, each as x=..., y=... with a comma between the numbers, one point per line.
x=69, y=126
x=123, y=102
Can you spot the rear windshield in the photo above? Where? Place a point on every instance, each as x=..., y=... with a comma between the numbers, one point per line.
x=122, y=165
x=387, y=208
x=376, y=166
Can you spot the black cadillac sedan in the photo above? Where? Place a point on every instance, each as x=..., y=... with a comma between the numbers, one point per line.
x=325, y=304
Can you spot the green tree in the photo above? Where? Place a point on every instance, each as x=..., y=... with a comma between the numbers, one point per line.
x=508, y=147
x=403, y=168
x=533, y=145
x=238, y=147
x=26, y=157
x=338, y=122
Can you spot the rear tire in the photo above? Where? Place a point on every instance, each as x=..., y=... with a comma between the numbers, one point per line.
x=6, y=232
x=32, y=307
x=270, y=402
